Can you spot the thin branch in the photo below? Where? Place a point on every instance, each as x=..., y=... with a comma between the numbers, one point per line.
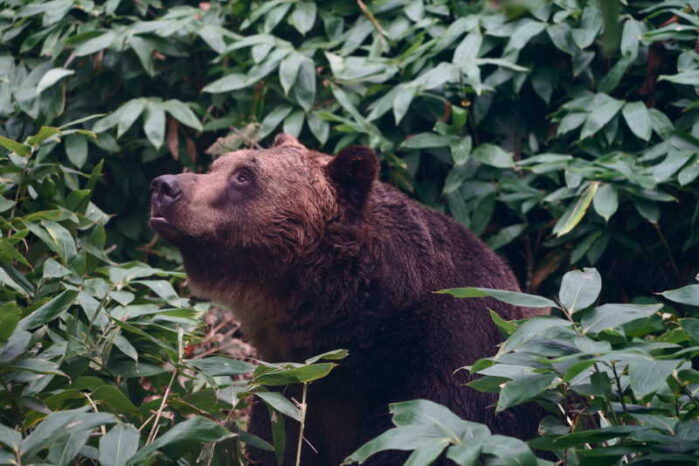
x=159, y=413
x=372, y=19
x=302, y=408
x=618, y=385
x=663, y=240
x=94, y=408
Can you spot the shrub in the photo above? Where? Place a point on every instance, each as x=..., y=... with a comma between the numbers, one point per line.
x=95, y=359
x=616, y=379
x=565, y=132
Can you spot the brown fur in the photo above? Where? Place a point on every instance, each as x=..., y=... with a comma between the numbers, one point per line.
x=315, y=254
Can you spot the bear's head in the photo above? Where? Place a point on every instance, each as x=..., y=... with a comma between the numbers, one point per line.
x=274, y=203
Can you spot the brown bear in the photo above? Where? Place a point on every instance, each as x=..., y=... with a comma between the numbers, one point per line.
x=312, y=253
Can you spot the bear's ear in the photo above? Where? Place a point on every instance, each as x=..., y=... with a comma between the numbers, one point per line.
x=353, y=172
x=285, y=139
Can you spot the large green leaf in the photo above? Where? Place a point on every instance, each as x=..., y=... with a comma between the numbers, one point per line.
x=293, y=375
x=218, y=365
x=610, y=316
x=194, y=430
x=576, y=211
x=638, y=118
x=686, y=295
x=51, y=77
x=48, y=311
x=523, y=389
x=649, y=376
x=580, y=289
x=118, y=445
x=510, y=297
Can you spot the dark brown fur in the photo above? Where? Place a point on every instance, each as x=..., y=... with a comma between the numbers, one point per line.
x=321, y=256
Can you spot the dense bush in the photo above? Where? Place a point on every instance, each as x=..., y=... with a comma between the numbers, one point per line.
x=616, y=379
x=559, y=138
x=87, y=343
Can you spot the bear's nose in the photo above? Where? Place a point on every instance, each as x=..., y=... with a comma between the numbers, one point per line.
x=166, y=189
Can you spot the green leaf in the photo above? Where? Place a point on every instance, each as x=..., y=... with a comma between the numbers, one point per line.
x=293, y=124
x=10, y=314
x=49, y=311
x=182, y=113
x=334, y=355
x=303, y=374
x=56, y=237
x=144, y=51
x=638, y=118
x=280, y=403
x=401, y=104
x=425, y=140
x=404, y=438
x=154, y=124
x=218, y=365
x=690, y=78
x=523, y=389
x=649, y=376
x=319, y=128
x=304, y=90
x=686, y=295
x=506, y=235
x=124, y=117
x=272, y=120
x=118, y=445
x=532, y=328
x=289, y=70
x=76, y=149
x=304, y=16
x=196, y=429
x=257, y=442
x=66, y=422
x=116, y=401
x=606, y=201
x=51, y=77
x=45, y=132
x=610, y=316
x=95, y=44
x=14, y=146
x=493, y=155
x=691, y=327
x=580, y=289
x=10, y=437
x=576, y=211
x=510, y=297
x=231, y=82
x=603, y=109
x=509, y=450
x=631, y=37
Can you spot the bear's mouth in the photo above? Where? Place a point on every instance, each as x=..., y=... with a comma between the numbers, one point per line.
x=162, y=225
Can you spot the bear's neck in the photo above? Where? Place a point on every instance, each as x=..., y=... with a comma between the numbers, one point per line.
x=354, y=276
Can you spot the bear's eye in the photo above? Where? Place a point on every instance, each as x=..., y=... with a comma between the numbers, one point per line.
x=242, y=177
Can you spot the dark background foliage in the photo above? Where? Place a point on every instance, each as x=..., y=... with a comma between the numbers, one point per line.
x=560, y=138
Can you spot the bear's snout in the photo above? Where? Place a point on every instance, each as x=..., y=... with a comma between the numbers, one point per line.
x=166, y=191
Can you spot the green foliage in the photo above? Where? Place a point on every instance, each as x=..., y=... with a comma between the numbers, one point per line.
x=562, y=131
x=94, y=360
x=616, y=379
x=427, y=429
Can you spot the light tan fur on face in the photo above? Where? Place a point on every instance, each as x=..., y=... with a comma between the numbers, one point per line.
x=257, y=312
x=291, y=186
